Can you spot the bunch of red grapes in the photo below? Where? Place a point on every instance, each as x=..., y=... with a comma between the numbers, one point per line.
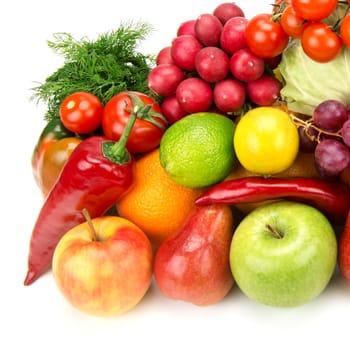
x=209, y=66
x=327, y=134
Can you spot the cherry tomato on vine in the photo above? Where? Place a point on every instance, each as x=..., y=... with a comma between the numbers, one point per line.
x=292, y=23
x=265, y=37
x=320, y=42
x=81, y=112
x=149, y=126
x=345, y=30
x=314, y=10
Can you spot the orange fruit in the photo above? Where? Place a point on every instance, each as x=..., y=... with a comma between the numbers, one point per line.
x=155, y=203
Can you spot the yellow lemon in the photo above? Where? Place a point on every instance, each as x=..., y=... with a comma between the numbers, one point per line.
x=266, y=140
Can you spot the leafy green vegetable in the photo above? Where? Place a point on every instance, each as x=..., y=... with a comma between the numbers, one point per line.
x=308, y=83
x=104, y=67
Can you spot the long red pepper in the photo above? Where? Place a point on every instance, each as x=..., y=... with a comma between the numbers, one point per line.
x=332, y=198
x=97, y=174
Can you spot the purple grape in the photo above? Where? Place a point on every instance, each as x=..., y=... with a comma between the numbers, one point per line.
x=345, y=132
x=330, y=115
x=331, y=157
x=306, y=143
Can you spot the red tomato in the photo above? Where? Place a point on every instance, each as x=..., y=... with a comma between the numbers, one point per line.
x=320, y=42
x=292, y=23
x=345, y=30
x=314, y=10
x=149, y=126
x=81, y=112
x=265, y=37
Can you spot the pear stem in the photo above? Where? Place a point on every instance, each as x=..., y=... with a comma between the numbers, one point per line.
x=274, y=232
x=93, y=233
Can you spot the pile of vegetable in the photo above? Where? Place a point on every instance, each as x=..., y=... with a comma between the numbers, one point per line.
x=108, y=104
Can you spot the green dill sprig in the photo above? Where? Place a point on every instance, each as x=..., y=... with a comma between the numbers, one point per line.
x=104, y=67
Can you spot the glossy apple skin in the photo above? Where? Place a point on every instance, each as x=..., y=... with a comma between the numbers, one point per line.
x=288, y=271
x=344, y=250
x=193, y=264
x=108, y=276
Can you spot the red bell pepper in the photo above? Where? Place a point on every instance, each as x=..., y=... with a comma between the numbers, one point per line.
x=98, y=173
x=332, y=198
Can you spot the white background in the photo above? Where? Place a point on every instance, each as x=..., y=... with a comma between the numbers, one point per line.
x=37, y=316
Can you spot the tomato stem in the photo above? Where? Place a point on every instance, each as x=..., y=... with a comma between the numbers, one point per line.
x=145, y=111
x=338, y=23
x=117, y=152
x=278, y=10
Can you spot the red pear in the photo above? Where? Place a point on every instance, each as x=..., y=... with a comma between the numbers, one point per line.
x=344, y=250
x=193, y=264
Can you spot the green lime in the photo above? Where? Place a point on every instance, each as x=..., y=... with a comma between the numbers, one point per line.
x=197, y=151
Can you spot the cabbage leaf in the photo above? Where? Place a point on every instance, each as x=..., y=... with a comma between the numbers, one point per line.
x=307, y=82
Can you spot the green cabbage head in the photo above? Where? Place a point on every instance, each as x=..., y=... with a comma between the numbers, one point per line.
x=308, y=83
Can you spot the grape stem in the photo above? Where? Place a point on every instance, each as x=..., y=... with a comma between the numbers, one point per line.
x=309, y=123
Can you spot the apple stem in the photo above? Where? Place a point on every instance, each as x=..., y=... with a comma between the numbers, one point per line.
x=91, y=225
x=275, y=233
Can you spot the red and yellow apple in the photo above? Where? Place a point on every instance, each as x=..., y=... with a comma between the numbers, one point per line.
x=103, y=267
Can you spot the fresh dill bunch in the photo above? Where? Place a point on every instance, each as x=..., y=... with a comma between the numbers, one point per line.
x=104, y=67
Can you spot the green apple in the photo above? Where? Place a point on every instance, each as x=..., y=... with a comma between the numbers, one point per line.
x=283, y=254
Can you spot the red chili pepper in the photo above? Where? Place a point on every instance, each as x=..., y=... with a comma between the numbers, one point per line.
x=332, y=198
x=97, y=174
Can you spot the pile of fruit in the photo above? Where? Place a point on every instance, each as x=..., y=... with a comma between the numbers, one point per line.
x=198, y=172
